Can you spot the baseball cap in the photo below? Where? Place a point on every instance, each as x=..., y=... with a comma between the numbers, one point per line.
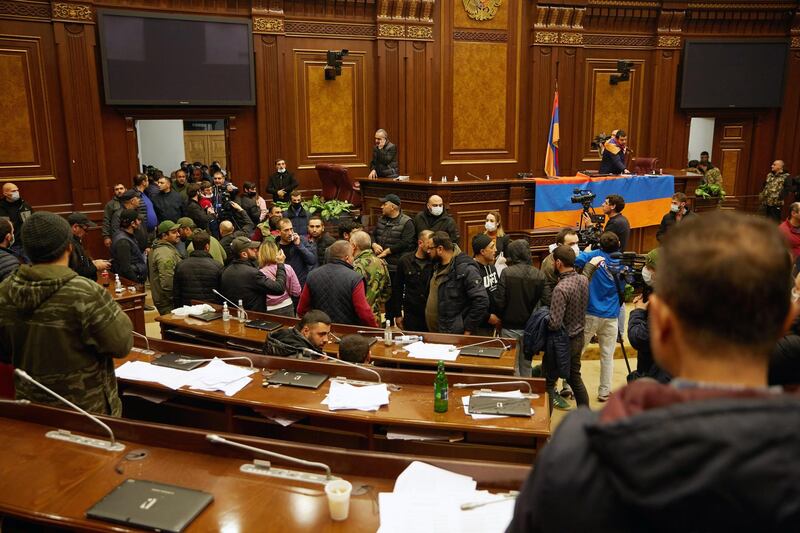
x=391, y=198
x=166, y=226
x=240, y=244
x=128, y=195
x=186, y=222
x=81, y=219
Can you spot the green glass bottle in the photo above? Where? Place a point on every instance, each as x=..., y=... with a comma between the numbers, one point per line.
x=440, y=393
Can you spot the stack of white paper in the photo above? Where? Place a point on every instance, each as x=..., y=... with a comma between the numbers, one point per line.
x=217, y=375
x=346, y=396
x=187, y=310
x=427, y=498
x=506, y=394
x=429, y=350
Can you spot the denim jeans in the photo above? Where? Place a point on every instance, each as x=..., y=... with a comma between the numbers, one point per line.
x=523, y=366
x=606, y=331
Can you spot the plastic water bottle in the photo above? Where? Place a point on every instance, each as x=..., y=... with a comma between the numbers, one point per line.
x=240, y=312
x=118, y=288
x=226, y=313
x=387, y=334
x=455, y=178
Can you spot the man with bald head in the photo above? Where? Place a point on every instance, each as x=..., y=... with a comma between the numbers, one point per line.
x=384, y=157
x=436, y=218
x=374, y=270
x=774, y=191
x=337, y=289
x=16, y=209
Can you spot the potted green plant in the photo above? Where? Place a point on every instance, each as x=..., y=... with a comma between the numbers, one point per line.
x=327, y=209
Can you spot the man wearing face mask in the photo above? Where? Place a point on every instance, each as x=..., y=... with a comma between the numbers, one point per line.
x=16, y=209
x=678, y=211
x=435, y=218
x=337, y=289
x=384, y=157
x=249, y=202
x=281, y=183
x=297, y=214
x=638, y=329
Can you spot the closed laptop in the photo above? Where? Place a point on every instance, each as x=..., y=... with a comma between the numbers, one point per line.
x=499, y=405
x=308, y=380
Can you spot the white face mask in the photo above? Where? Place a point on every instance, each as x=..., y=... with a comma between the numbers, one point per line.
x=437, y=210
x=576, y=249
x=281, y=170
x=674, y=208
x=15, y=196
x=490, y=226
x=647, y=276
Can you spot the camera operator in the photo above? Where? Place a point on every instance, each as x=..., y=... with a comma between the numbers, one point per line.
x=612, y=208
x=605, y=302
x=638, y=329
x=223, y=195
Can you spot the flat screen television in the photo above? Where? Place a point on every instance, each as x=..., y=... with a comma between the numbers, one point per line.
x=733, y=73
x=176, y=60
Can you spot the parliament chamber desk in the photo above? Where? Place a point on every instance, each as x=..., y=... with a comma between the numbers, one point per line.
x=469, y=199
x=131, y=301
x=46, y=483
x=410, y=409
x=237, y=336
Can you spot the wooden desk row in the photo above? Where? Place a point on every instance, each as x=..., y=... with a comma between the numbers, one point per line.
x=131, y=301
x=512, y=439
x=50, y=483
x=237, y=336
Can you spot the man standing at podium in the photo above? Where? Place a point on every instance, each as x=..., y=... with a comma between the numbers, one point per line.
x=384, y=157
x=614, y=151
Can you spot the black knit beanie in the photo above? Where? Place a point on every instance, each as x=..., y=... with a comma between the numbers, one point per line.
x=45, y=236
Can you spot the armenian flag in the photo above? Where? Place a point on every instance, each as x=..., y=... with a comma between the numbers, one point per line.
x=551, y=154
x=647, y=198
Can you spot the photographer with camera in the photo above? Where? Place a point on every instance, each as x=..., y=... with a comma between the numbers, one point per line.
x=222, y=197
x=605, y=302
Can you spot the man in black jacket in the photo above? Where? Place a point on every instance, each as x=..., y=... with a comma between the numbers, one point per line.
x=8, y=261
x=678, y=211
x=110, y=208
x=247, y=200
x=128, y=259
x=311, y=333
x=79, y=260
x=384, y=157
x=716, y=449
x=318, y=238
x=414, y=273
x=167, y=203
x=612, y=208
x=241, y=280
x=197, y=276
x=457, y=300
x=16, y=209
x=436, y=218
x=392, y=237
x=281, y=183
x=201, y=217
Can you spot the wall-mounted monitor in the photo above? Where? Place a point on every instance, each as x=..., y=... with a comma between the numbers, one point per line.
x=176, y=60
x=721, y=74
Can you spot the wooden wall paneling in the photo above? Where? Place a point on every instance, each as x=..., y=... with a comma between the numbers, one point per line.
x=270, y=114
x=78, y=68
x=389, y=97
x=242, y=144
x=661, y=124
x=416, y=132
x=786, y=145
x=732, y=141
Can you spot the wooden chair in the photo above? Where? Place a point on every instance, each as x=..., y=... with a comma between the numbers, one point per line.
x=644, y=165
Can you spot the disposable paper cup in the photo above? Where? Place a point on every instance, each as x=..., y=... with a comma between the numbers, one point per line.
x=338, y=492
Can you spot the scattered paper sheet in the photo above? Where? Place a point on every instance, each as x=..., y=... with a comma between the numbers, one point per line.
x=506, y=394
x=284, y=419
x=346, y=396
x=427, y=498
x=198, y=309
x=425, y=435
x=429, y=350
x=217, y=375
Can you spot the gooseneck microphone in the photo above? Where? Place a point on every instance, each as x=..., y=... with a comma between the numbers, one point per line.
x=65, y=435
x=146, y=340
x=188, y=360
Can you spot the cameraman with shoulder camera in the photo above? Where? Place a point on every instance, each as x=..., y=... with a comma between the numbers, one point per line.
x=639, y=330
x=605, y=301
x=223, y=196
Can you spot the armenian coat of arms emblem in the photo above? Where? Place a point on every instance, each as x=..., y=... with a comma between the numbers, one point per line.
x=482, y=9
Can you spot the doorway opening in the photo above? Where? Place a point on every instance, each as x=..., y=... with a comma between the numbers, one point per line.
x=164, y=143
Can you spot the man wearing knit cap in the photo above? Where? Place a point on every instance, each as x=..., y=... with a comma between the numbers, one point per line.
x=483, y=251
x=161, y=265
x=61, y=328
x=128, y=260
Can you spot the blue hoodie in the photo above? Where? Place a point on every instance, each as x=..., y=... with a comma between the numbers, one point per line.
x=603, y=294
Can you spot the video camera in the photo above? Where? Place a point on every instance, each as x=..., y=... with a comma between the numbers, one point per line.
x=629, y=268
x=588, y=234
x=580, y=196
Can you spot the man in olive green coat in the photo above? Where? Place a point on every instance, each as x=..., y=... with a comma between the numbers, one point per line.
x=161, y=265
x=374, y=270
x=61, y=328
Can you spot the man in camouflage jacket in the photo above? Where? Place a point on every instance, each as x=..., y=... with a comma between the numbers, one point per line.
x=161, y=265
x=61, y=328
x=374, y=270
x=773, y=193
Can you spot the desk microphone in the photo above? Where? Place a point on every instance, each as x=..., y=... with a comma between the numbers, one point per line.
x=308, y=351
x=188, y=360
x=265, y=469
x=146, y=340
x=498, y=339
x=215, y=291
x=65, y=435
x=488, y=383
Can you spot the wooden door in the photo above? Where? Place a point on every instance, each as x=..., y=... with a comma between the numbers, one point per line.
x=206, y=146
x=731, y=151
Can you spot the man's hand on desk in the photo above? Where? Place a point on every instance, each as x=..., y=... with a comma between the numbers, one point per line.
x=372, y=175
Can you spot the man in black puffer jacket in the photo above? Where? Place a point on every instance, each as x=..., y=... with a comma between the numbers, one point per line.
x=197, y=276
x=457, y=300
x=311, y=333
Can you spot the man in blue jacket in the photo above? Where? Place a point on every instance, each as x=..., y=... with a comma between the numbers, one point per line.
x=604, y=304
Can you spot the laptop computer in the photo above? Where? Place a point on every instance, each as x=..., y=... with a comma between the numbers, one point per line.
x=151, y=505
x=482, y=351
x=308, y=380
x=208, y=316
x=499, y=405
x=175, y=360
x=265, y=325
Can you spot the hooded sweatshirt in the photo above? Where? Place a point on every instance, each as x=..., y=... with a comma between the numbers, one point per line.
x=63, y=330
